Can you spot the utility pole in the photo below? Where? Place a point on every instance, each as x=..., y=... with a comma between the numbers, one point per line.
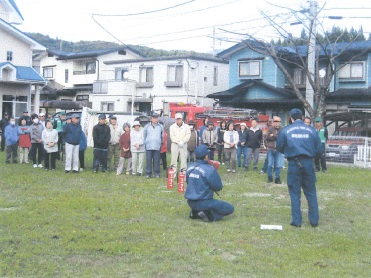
x=311, y=54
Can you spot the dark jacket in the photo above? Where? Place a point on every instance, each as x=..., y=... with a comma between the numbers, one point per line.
x=254, y=138
x=299, y=139
x=83, y=142
x=202, y=181
x=242, y=135
x=101, y=136
x=272, y=135
x=221, y=135
x=72, y=133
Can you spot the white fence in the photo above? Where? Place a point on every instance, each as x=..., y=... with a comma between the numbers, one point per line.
x=363, y=156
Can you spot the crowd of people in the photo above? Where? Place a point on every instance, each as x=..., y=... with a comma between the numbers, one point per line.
x=44, y=139
x=41, y=138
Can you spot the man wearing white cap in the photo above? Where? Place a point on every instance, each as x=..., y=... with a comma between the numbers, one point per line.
x=180, y=133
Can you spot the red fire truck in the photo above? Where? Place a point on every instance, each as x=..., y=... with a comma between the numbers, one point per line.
x=199, y=113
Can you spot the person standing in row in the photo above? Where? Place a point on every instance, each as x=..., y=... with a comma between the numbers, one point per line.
x=50, y=140
x=82, y=147
x=153, y=137
x=254, y=139
x=209, y=138
x=230, y=143
x=300, y=143
x=58, y=125
x=3, y=124
x=179, y=135
x=24, y=141
x=101, y=138
x=137, y=149
x=25, y=117
x=221, y=131
x=113, y=147
x=275, y=158
x=12, y=137
x=37, y=148
x=124, y=144
x=320, y=159
x=241, y=145
x=72, y=133
x=193, y=142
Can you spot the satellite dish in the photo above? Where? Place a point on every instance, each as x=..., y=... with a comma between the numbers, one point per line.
x=322, y=73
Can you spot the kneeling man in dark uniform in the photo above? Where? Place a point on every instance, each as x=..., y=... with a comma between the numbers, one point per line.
x=300, y=143
x=202, y=181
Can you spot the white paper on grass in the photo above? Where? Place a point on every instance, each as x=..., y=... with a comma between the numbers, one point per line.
x=271, y=227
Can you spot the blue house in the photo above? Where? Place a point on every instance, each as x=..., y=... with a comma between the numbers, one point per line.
x=256, y=82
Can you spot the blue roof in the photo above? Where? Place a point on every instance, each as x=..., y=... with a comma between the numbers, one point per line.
x=335, y=48
x=16, y=8
x=28, y=74
x=25, y=73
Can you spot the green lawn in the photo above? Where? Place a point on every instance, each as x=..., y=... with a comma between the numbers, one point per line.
x=54, y=224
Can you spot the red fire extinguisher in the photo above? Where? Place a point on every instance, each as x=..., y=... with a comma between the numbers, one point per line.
x=181, y=179
x=170, y=178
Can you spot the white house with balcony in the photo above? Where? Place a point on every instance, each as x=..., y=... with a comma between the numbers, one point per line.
x=20, y=82
x=70, y=76
x=151, y=81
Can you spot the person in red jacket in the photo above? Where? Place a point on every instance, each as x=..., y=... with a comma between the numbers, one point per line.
x=124, y=145
x=24, y=141
x=163, y=152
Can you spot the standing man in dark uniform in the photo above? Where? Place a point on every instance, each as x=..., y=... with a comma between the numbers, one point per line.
x=101, y=137
x=300, y=143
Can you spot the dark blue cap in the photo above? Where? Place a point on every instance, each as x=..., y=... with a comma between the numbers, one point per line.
x=297, y=112
x=154, y=115
x=201, y=151
x=102, y=116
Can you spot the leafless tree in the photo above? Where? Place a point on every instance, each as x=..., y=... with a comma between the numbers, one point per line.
x=327, y=54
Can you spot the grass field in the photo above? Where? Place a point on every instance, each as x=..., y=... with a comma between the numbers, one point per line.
x=54, y=224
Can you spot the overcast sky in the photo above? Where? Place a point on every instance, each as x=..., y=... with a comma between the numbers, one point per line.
x=175, y=24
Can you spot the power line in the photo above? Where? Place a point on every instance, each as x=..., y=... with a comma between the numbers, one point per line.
x=148, y=12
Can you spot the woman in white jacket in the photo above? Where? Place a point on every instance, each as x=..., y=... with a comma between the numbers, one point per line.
x=137, y=149
x=230, y=145
x=50, y=140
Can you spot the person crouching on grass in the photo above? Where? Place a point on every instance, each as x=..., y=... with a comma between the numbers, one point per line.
x=124, y=145
x=202, y=181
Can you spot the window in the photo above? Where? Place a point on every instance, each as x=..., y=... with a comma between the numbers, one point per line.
x=48, y=72
x=354, y=70
x=174, y=76
x=9, y=55
x=107, y=106
x=146, y=75
x=90, y=67
x=299, y=78
x=66, y=76
x=250, y=69
x=119, y=74
x=215, y=76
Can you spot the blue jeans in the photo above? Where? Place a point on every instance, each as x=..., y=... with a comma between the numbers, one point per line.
x=100, y=158
x=276, y=160
x=265, y=165
x=240, y=150
x=218, y=208
x=305, y=178
x=153, y=159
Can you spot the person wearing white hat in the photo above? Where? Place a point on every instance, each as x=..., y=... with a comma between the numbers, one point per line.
x=137, y=149
x=180, y=133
